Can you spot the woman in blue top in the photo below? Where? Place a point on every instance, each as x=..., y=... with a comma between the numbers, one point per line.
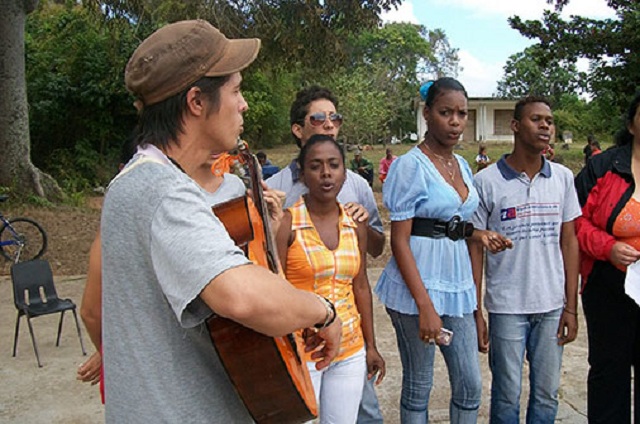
x=427, y=285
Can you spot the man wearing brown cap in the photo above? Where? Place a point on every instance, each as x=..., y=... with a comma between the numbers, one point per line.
x=167, y=261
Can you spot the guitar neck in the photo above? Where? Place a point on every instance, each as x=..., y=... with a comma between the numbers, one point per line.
x=258, y=198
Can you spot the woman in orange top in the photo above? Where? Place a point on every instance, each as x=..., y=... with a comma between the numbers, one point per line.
x=609, y=237
x=323, y=250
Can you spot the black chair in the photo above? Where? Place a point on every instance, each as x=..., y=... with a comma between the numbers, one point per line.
x=34, y=295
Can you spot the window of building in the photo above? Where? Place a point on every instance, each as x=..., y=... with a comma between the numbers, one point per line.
x=502, y=121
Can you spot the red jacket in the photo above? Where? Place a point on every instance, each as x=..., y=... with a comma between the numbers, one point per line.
x=604, y=187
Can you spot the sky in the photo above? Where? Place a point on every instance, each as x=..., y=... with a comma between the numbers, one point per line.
x=479, y=29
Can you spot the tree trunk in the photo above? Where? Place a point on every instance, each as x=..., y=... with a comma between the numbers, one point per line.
x=16, y=169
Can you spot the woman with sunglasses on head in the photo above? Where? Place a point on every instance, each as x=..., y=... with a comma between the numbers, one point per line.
x=314, y=111
x=427, y=285
x=323, y=250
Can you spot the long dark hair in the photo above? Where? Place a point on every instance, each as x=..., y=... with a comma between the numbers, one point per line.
x=623, y=136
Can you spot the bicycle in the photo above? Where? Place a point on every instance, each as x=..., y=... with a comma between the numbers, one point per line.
x=21, y=238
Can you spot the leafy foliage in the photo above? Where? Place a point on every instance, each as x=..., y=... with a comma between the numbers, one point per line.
x=525, y=73
x=612, y=46
x=79, y=108
x=81, y=113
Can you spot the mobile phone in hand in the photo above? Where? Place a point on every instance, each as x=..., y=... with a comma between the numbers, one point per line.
x=445, y=336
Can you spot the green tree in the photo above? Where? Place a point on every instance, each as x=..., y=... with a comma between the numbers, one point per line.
x=80, y=111
x=363, y=105
x=524, y=74
x=612, y=45
x=17, y=170
x=397, y=57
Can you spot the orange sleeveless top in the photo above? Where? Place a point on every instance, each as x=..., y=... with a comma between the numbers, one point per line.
x=313, y=267
x=626, y=228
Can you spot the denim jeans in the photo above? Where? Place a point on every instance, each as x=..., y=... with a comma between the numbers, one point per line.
x=511, y=336
x=461, y=357
x=369, y=412
x=339, y=388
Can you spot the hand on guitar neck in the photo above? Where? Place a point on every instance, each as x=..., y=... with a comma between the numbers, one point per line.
x=274, y=200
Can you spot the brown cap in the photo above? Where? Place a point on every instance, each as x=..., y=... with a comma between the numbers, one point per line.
x=179, y=54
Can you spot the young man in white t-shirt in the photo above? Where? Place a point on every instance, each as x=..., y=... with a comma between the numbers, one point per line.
x=531, y=290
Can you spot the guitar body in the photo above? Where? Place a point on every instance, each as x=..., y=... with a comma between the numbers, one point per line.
x=267, y=372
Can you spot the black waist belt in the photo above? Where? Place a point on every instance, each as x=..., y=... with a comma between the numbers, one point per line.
x=455, y=228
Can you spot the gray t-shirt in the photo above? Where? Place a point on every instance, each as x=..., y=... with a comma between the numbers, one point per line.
x=161, y=245
x=529, y=278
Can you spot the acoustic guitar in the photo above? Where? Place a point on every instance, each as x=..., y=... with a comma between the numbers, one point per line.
x=268, y=373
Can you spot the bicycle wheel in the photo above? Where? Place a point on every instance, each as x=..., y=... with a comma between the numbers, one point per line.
x=30, y=240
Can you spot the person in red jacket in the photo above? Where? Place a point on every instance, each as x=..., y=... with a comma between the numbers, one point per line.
x=609, y=238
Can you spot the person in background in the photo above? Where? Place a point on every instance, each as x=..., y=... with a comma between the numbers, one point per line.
x=609, y=239
x=427, y=285
x=548, y=152
x=268, y=169
x=385, y=163
x=362, y=166
x=168, y=262
x=595, y=148
x=314, y=111
x=323, y=250
x=587, y=149
x=482, y=159
x=531, y=290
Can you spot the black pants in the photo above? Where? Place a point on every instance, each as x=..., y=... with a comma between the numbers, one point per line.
x=613, y=328
x=367, y=175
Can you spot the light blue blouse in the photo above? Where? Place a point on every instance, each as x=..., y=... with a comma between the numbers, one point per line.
x=415, y=188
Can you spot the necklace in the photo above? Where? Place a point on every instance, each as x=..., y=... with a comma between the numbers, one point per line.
x=447, y=163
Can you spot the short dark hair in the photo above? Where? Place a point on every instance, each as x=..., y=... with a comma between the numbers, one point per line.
x=623, y=136
x=261, y=155
x=317, y=139
x=159, y=124
x=441, y=85
x=517, y=112
x=128, y=148
x=300, y=106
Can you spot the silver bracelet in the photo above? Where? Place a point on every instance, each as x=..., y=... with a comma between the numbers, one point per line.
x=330, y=316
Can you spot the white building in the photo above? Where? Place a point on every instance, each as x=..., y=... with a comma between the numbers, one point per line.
x=489, y=120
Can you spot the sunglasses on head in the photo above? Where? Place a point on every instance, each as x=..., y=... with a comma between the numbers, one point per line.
x=319, y=118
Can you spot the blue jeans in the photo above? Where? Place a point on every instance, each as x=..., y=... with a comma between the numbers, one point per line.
x=461, y=357
x=511, y=336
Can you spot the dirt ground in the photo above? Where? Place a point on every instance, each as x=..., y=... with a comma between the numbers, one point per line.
x=51, y=394
x=70, y=231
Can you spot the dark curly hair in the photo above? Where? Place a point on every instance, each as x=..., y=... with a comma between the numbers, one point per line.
x=300, y=106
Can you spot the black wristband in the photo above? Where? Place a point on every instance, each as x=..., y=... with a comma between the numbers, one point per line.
x=331, y=314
